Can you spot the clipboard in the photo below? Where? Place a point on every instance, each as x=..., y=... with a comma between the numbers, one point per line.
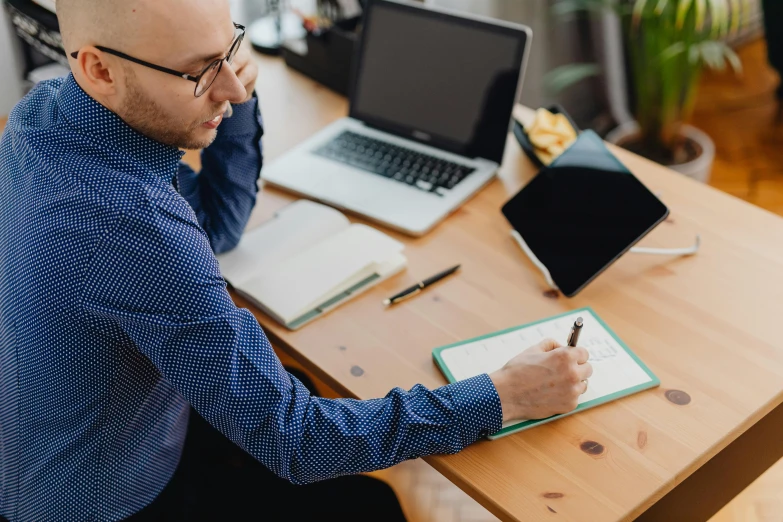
x=618, y=371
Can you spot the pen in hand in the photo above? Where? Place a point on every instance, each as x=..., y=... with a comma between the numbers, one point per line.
x=573, y=338
x=418, y=287
x=573, y=335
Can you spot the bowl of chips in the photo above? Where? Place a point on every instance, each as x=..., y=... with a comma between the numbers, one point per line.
x=550, y=133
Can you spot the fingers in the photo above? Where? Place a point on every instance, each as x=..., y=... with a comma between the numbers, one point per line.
x=250, y=83
x=579, y=354
x=243, y=56
x=584, y=385
x=547, y=345
x=246, y=71
x=243, y=66
x=584, y=371
x=241, y=59
x=243, y=53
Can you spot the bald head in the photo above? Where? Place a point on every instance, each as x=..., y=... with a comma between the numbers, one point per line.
x=87, y=22
x=182, y=35
x=175, y=26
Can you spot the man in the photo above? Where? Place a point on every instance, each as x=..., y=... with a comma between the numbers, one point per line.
x=115, y=321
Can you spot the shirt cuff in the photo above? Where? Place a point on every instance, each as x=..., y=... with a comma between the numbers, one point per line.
x=477, y=404
x=245, y=120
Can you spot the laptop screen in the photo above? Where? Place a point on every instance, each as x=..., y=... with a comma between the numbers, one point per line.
x=437, y=78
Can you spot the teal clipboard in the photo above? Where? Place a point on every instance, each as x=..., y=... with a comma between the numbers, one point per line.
x=523, y=425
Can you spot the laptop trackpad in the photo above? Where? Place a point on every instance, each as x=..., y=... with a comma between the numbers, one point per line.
x=348, y=187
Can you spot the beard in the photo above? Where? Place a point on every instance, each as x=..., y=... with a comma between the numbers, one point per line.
x=147, y=117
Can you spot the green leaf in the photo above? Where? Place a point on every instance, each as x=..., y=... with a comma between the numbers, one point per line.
x=746, y=9
x=736, y=16
x=726, y=17
x=733, y=59
x=682, y=11
x=712, y=52
x=623, y=9
x=661, y=6
x=701, y=14
x=638, y=11
x=694, y=55
x=720, y=17
x=672, y=51
x=565, y=76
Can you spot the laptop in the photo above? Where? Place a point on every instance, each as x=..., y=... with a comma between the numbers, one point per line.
x=430, y=108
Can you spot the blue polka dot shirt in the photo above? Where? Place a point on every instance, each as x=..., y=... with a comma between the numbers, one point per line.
x=114, y=319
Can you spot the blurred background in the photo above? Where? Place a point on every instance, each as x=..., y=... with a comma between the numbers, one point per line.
x=583, y=59
x=691, y=84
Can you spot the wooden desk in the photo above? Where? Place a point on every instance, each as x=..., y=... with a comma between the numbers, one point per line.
x=706, y=325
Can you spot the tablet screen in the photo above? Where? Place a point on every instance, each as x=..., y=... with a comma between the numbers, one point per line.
x=579, y=220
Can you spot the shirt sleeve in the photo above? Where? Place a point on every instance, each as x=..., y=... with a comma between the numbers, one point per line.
x=223, y=194
x=171, y=304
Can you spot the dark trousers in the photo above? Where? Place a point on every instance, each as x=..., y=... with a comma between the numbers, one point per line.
x=217, y=481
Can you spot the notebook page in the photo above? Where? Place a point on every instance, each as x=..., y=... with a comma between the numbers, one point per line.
x=318, y=272
x=614, y=369
x=295, y=228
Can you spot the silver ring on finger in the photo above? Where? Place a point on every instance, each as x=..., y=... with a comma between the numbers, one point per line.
x=585, y=381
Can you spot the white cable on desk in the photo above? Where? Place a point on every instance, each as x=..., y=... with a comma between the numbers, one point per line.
x=686, y=251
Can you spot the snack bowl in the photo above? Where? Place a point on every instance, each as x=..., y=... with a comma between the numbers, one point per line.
x=522, y=137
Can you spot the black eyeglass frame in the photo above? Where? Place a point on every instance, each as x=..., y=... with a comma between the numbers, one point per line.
x=216, y=63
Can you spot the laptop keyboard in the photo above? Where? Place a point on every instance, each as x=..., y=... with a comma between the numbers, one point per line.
x=419, y=170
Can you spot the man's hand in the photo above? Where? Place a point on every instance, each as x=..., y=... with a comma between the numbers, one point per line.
x=544, y=380
x=245, y=68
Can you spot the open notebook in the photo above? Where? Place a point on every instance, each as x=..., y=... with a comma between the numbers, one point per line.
x=617, y=371
x=308, y=260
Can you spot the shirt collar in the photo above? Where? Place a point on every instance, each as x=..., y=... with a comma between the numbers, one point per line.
x=93, y=119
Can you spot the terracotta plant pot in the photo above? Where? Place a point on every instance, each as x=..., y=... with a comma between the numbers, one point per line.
x=699, y=168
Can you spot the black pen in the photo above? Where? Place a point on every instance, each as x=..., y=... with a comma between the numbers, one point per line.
x=573, y=335
x=418, y=287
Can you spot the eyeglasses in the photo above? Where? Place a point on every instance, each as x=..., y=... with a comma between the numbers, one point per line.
x=204, y=79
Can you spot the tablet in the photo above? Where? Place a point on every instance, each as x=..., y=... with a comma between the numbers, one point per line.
x=582, y=213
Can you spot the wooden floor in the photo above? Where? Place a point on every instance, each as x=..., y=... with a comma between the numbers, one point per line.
x=740, y=115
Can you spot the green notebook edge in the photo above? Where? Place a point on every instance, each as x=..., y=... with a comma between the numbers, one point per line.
x=520, y=426
x=333, y=301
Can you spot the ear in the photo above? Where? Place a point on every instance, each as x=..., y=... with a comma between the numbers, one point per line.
x=99, y=70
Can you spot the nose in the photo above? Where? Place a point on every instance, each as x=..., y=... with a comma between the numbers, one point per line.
x=227, y=86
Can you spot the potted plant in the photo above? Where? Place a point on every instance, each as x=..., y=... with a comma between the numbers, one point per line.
x=668, y=44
